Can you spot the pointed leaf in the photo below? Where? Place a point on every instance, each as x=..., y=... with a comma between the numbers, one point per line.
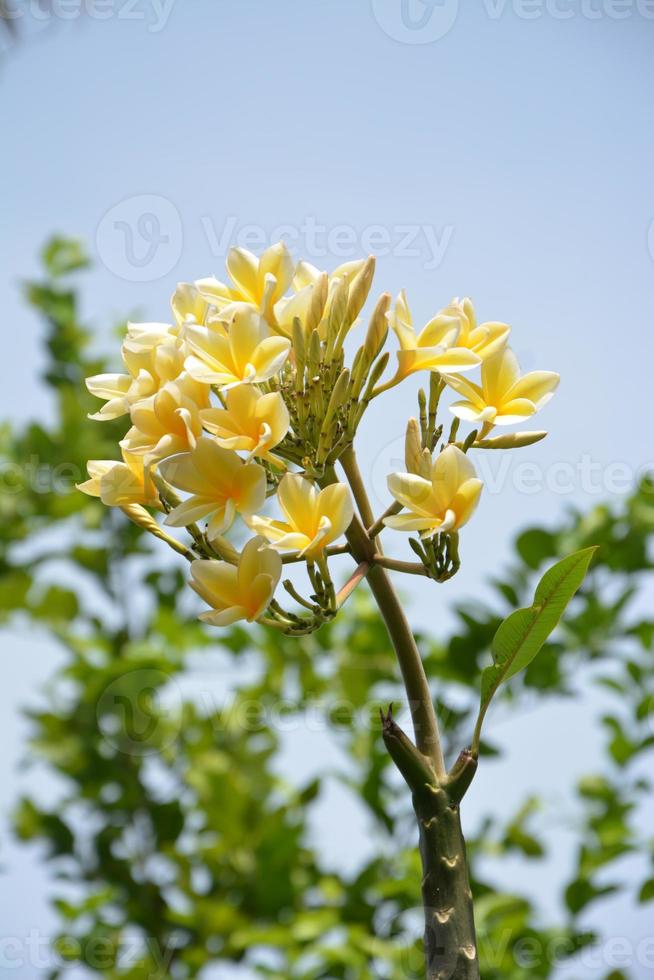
x=522, y=635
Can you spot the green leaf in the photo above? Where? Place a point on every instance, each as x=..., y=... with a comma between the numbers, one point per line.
x=522, y=634
x=62, y=255
x=647, y=891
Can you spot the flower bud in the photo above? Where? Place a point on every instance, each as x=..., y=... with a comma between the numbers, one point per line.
x=412, y=447
x=512, y=440
x=359, y=289
x=378, y=329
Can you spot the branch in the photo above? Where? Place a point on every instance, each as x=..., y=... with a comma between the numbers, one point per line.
x=395, y=565
x=416, y=685
x=378, y=526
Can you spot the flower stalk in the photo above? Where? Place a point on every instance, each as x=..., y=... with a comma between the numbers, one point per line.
x=248, y=401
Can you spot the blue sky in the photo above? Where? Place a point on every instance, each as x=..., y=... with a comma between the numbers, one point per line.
x=502, y=150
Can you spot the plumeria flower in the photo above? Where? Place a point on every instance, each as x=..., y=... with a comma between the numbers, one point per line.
x=484, y=339
x=220, y=483
x=187, y=303
x=166, y=423
x=503, y=397
x=153, y=354
x=251, y=422
x=435, y=348
x=313, y=295
x=443, y=502
x=259, y=281
x=237, y=349
x=238, y=592
x=313, y=518
x=120, y=484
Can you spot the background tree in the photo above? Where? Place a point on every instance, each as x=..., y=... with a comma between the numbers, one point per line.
x=177, y=844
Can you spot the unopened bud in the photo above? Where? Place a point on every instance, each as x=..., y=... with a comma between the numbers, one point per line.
x=140, y=516
x=378, y=328
x=299, y=345
x=359, y=289
x=412, y=447
x=512, y=440
x=318, y=302
x=424, y=465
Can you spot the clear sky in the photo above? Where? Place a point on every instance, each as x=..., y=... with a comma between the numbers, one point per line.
x=502, y=149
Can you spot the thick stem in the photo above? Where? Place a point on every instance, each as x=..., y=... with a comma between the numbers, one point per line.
x=450, y=940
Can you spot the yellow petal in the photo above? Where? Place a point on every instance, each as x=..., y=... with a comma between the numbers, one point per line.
x=441, y=331
x=516, y=410
x=298, y=498
x=413, y=492
x=498, y=373
x=537, y=386
x=270, y=356
x=409, y=522
x=258, y=558
x=450, y=470
x=243, y=268
x=276, y=261
x=216, y=582
x=335, y=503
x=465, y=500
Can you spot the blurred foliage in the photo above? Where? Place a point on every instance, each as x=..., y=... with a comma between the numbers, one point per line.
x=179, y=837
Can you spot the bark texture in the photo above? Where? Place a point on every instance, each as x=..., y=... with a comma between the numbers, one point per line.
x=450, y=940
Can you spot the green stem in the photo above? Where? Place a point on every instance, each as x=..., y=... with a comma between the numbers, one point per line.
x=450, y=939
x=425, y=725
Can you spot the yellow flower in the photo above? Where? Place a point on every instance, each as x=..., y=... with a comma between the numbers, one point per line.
x=153, y=354
x=120, y=484
x=188, y=304
x=484, y=339
x=221, y=485
x=259, y=281
x=165, y=423
x=313, y=295
x=503, y=397
x=238, y=592
x=237, y=349
x=252, y=422
x=308, y=275
x=435, y=348
x=313, y=519
x=442, y=502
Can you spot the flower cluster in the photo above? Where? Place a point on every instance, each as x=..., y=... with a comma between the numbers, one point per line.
x=245, y=400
